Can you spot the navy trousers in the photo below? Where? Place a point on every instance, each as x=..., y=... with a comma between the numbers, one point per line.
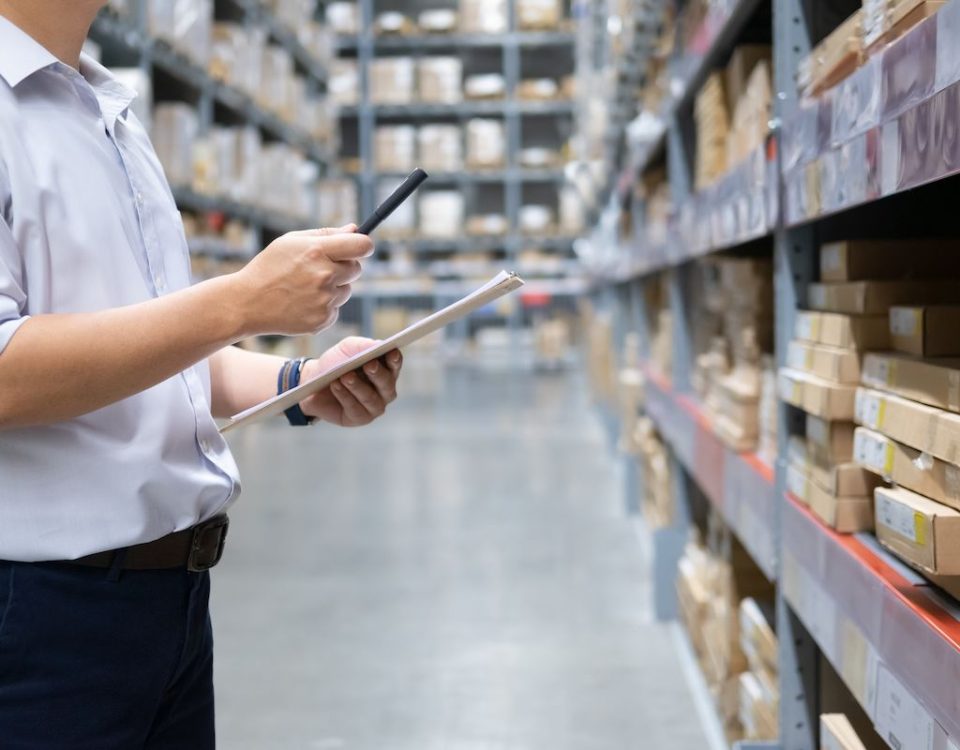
x=91, y=660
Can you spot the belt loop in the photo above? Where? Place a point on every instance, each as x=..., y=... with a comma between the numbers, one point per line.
x=116, y=565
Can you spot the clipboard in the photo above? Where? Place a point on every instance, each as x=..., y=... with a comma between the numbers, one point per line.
x=499, y=286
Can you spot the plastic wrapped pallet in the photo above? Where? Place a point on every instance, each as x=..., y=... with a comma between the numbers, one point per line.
x=440, y=80
x=486, y=143
x=392, y=80
x=441, y=213
x=483, y=16
x=395, y=148
x=441, y=148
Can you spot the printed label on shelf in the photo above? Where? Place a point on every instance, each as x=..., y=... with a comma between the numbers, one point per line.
x=899, y=518
x=901, y=720
x=890, y=157
x=870, y=681
x=904, y=321
x=797, y=483
x=853, y=659
x=825, y=620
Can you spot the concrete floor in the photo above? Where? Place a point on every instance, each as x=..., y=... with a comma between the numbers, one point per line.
x=460, y=576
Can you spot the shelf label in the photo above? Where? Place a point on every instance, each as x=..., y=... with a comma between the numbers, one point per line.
x=900, y=519
x=905, y=321
x=900, y=718
x=870, y=409
x=874, y=452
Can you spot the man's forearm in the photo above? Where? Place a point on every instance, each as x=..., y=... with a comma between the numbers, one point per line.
x=58, y=367
x=241, y=379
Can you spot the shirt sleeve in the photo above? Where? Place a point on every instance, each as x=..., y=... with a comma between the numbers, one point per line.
x=13, y=299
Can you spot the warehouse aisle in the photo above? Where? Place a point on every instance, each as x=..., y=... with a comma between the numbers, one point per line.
x=459, y=577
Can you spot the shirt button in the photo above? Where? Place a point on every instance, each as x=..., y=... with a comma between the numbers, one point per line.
x=139, y=199
x=160, y=282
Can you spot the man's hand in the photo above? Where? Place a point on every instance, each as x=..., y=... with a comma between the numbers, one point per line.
x=300, y=281
x=357, y=398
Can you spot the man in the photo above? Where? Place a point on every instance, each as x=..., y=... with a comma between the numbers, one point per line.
x=113, y=477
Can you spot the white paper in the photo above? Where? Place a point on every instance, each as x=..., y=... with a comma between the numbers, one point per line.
x=500, y=285
x=901, y=720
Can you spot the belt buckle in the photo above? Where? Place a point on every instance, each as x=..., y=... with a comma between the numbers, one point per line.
x=202, y=558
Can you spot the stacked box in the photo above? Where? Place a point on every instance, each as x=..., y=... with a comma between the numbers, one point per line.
x=733, y=367
x=486, y=143
x=710, y=590
x=395, y=148
x=440, y=80
x=483, y=16
x=885, y=21
x=750, y=96
x=712, y=120
x=759, y=685
x=441, y=213
x=392, y=80
x=631, y=383
x=539, y=15
x=656, y=501
x=833, y=59
x=440, y=148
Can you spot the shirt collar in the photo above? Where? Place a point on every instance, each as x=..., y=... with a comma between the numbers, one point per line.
x=20, y=54
x=114, y=97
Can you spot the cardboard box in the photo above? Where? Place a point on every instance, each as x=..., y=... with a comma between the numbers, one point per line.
x=908, y=467
x=836, y=733
x=926, y=331
x=893, y=260
x=845, y=514
x=932, y=382
x=814, y=395
x=843, y=480
x=832, y=441
x=757, y=637
x=827, y=362
x=919, y=530
x=924, y=428
x=858, y=332
x=798, y=482
x=742, y=62
x=876, y=297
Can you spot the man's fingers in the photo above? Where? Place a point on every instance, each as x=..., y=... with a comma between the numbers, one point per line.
x=394, y=361
x=365, y=393
x=353, y=411
x=383, y=380
x=326, y=231
x=346, y=246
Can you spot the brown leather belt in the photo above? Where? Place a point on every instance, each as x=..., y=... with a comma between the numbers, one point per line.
x=197, y=549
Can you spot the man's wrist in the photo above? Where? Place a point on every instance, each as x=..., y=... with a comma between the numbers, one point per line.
x=287, y=379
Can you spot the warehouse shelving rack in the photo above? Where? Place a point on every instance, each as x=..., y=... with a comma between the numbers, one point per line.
x=560, y=280
x=126, y=42
x=875, y=157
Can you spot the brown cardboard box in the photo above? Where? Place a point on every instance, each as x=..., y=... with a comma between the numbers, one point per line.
x=893, y=260
x=827, y=362
x=742, y=62
x=830, y=440
x=908, y=467
x=842, y=480
x=831, y=401
x=926, y=331
x=876, y=297
x=837, y=733
x=845, y=514
x=918, y=530
x=932, y=382
x=757, y=637
x=859, y=332
x=798, y=482
x=924, y=428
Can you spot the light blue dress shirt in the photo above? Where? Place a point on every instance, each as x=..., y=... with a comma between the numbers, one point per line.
x=87, y=223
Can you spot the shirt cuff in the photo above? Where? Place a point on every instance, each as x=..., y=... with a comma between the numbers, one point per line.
x=8, y=328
